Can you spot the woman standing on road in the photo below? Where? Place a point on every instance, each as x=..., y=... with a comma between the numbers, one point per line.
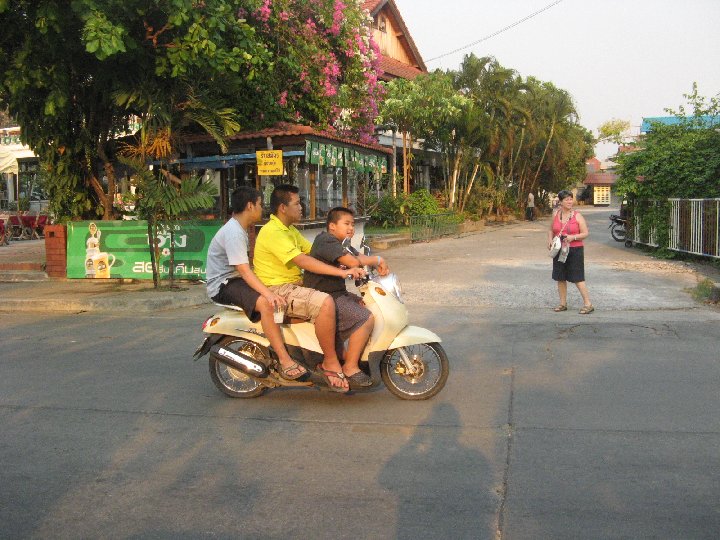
x=574, y=230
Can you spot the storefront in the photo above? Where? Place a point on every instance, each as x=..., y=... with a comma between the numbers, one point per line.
x=19, y=168
x=328, y=170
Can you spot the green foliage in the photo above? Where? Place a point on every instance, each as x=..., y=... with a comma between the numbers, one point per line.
x=680, y=161
x=388, y=211
x=706, y=291
x=421, y=202
x=77, y=74
x=161, y=199
x=501, y=135
x=614, y=130
x=673, y=161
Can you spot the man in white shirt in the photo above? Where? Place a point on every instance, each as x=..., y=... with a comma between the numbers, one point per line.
x=230, y=280
x=530, y=208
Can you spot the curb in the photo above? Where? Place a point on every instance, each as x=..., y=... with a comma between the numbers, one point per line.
x=9, y=276
x=123, y=301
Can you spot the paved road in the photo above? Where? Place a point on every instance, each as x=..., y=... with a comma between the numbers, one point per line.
x=550, y=426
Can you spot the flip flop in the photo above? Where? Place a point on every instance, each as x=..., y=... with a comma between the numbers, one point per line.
x=359, y=380
x=283, y=372
x=560, y=308
x=326, y=374
x=586, y=309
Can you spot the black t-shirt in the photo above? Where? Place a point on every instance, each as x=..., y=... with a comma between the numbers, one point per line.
x=327, y=249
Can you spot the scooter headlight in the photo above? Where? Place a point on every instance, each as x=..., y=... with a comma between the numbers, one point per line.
x=391, y=284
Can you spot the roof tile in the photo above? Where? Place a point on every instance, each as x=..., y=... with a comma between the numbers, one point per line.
x=398, y=69
x=284, y=129
x=600, y=179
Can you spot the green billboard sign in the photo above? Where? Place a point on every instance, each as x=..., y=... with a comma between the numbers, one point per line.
x=119, y=249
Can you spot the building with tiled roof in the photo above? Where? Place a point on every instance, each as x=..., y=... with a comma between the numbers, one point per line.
x=602, y=184
x=400, y=56
x=399, y=59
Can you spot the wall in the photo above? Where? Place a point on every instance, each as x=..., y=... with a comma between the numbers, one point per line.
x=389, y=44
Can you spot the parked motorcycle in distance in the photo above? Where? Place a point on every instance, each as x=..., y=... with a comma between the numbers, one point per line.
x=408, y=359
x=617, y=228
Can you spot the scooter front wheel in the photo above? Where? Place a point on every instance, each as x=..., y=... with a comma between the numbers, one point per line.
x=233, y=382
x=428, y=371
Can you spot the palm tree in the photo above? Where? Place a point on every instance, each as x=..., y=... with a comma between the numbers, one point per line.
x=161, y=197
x=559, y=107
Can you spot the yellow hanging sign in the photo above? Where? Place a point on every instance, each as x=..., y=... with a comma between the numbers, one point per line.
x=269, y=162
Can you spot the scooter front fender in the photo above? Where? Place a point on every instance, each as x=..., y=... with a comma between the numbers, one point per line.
x=413, y=335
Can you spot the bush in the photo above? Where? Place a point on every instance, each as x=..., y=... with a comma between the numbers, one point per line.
x=422, y=203
x=389, y=211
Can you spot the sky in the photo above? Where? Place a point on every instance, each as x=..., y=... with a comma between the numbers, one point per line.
x=624, y=59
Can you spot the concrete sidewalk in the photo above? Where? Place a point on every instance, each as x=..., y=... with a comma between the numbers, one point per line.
x=88, y=295
x=24, y=286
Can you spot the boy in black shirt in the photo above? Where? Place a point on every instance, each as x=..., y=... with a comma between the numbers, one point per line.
x=354, y=320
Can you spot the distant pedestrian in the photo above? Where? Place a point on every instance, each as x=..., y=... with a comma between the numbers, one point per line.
x=555, y=205
x=530, y=207
x=573, y=229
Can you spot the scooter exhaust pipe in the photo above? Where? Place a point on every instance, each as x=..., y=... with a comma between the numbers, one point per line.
x=240, y=361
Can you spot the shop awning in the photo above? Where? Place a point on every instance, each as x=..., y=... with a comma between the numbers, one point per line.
x=10, y=153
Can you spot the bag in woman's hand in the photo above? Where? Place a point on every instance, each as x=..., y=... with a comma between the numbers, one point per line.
x=564, y=252
x=555, y=246
x=557, y=241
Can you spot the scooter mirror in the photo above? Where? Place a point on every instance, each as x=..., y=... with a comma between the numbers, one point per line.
x=364, y=247
x=347, y=245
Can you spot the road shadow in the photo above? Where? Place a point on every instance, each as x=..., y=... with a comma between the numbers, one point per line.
x=443, y=487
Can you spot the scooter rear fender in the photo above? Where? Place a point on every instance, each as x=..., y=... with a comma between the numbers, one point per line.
x=235, y=323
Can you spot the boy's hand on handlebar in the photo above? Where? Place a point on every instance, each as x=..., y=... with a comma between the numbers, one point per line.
x=355, y=273
x=382, y=268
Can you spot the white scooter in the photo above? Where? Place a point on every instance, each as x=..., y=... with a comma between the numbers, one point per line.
x=409, y=359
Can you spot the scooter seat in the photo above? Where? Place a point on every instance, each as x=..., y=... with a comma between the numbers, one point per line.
x=288, y=320
x=229, y=306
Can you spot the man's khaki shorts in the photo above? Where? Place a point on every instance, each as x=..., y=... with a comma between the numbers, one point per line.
x=302, y=302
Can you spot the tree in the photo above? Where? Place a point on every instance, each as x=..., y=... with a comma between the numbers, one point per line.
x=162, y=200
x=614, y=130
x=673, y=161
x=681, y=160
x=78, y=74
x=325, y=65
x=68, y=63
x=399, y=109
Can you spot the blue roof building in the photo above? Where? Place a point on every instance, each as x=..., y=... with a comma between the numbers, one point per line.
x=707, y=120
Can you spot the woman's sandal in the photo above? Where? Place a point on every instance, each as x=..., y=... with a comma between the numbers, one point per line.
x=561, y=307
x=586, y=309
x=283, y=372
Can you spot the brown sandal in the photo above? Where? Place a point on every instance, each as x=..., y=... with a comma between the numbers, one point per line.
x=560, y=308
x=284, y=372
x=586, y=309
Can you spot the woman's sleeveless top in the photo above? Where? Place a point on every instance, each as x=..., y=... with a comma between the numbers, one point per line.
x=573, y=227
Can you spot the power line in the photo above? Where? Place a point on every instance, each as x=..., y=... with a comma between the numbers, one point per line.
x=513, y=25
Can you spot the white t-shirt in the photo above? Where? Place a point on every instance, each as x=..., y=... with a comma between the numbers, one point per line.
x=531, y=200
x=228, y=248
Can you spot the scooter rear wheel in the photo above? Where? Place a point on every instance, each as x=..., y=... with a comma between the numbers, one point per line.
x=230, y=381
x=618, y=232
x=431, y=371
